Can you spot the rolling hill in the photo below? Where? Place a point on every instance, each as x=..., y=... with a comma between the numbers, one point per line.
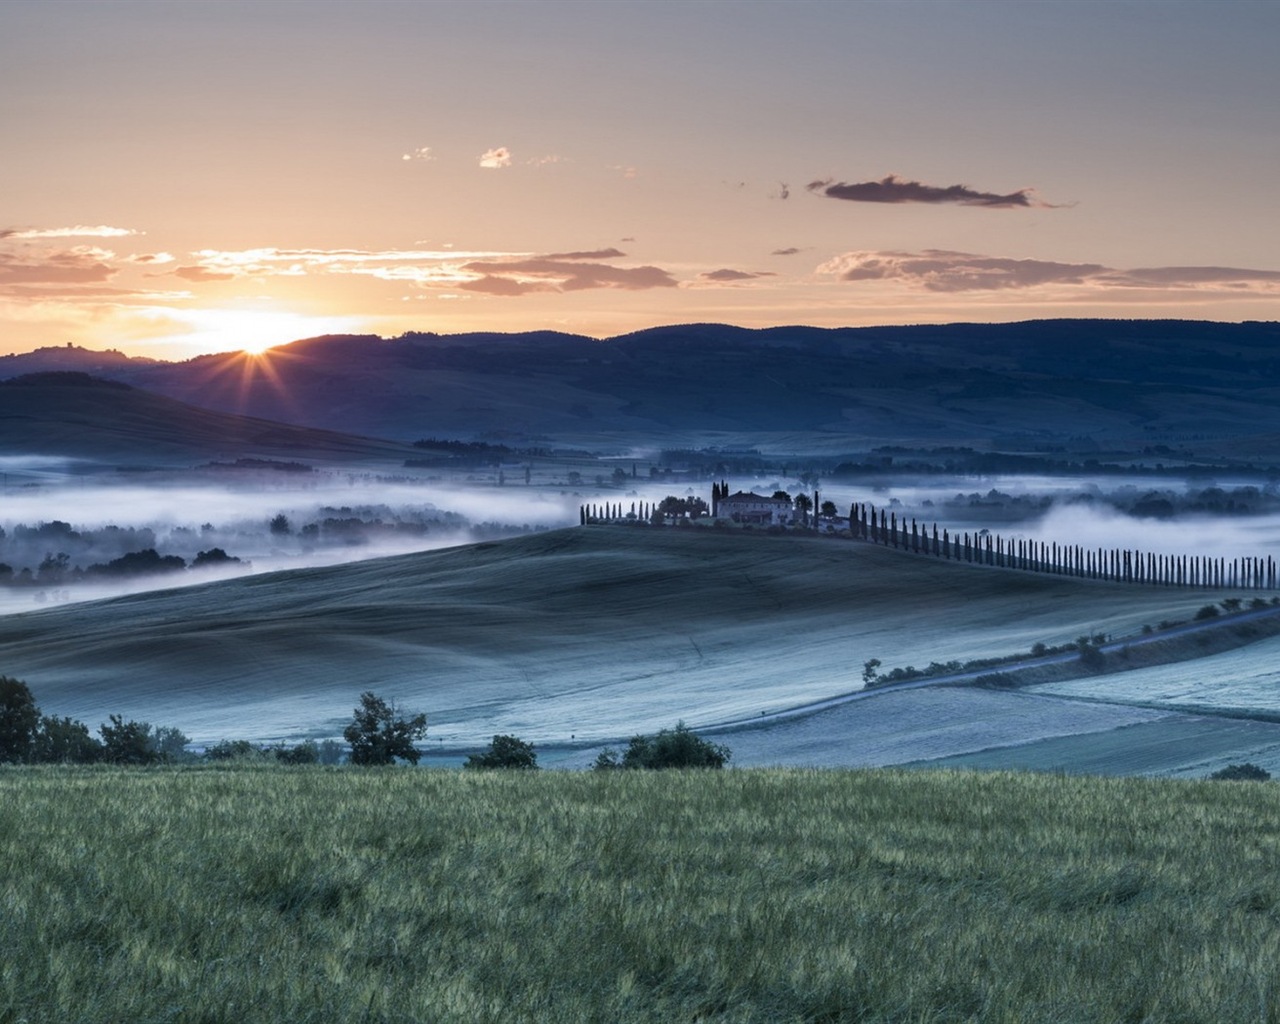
x=75, y=415
x=1035, y=383
x=573, y=636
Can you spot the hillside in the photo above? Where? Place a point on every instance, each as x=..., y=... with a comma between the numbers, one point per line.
x=1133, y=383
x=78, y=416
x=571, y=636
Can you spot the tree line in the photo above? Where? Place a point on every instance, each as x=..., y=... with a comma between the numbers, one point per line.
x=1115, y=564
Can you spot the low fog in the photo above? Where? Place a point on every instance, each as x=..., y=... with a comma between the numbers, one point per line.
x=73, y=534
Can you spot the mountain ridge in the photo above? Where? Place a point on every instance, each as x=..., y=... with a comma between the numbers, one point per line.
x=1124, y=380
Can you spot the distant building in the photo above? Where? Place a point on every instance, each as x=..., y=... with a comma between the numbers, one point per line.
x=745, y=507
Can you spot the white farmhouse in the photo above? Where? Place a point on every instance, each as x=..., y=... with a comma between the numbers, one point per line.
x=746, y=507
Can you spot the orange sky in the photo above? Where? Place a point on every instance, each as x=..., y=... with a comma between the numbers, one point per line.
x=190, y=177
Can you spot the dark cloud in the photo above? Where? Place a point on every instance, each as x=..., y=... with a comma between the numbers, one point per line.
x=893, y=189
x=939, y=270
x=593, y=254
x=549, y=273
x=201, y=274
x=725, y=275
x=790, y=250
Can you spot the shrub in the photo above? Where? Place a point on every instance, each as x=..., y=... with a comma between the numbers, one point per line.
x=232, y=750
x=379, y=732
x=1247, y=772
x=674, y=748
x=505, y=752
x=1209, y=611
x=306, y=752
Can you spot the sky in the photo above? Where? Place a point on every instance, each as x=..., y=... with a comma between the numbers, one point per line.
x=189, y=177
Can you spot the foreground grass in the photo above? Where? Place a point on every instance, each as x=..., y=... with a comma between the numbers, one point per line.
x=392, y=896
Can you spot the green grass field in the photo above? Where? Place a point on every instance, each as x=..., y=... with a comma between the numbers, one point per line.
x=245, y=895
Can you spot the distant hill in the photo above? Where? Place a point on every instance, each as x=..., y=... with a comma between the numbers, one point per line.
x=75, y=415
x=1039, y=382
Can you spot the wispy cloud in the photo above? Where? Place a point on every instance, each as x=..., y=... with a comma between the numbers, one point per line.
x=496, y=158
x=892, y=189
x=543, y=161
x=588, y=254
x=551, y=274
x=790, y=250
x=202, y=274
x=79, y=231
x=79, y=265
x=150, y=259
x=422, y=154
x=940, y=270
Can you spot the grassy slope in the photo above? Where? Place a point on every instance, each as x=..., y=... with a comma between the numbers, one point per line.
x=201, y=897
x=78, y=416
x=598, y=632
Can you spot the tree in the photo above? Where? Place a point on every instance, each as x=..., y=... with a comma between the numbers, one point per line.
x=674, y=748
x=869, y=668
x=19, y=720
x=505, y=752
x=781, y=496
x=64, y=741
x=1247, y=772
x=804, y=504
x=279, y=525
x=379, y=732
x=127, y=742
x=829, y=510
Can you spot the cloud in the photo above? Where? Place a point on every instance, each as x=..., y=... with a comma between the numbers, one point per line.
x=590, y=254
x=495, y=158
x=791, y=250
x=77, y=266
x=543, y=161
x=627, y=171
x=79, y=231
x=726, y=276
x=940, y=270
x=784, y=191
x=549, y=274
x=150, y=259
x=1191, y=277
x=893, y=189
x=203, y=274
x=422, y=154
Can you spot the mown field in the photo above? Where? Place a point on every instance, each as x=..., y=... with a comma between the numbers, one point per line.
x=245, y=895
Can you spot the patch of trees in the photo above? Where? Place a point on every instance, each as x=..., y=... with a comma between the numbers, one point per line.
x=27, y=736
x=505, y=752
x=1247, y=772
x=669, y=748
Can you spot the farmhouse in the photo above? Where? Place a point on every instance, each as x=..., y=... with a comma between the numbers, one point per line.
x=746, y=507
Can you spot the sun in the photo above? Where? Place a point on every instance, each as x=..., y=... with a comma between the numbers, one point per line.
x=251, y=331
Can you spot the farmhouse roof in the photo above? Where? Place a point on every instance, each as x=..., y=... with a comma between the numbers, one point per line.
x=744, y=496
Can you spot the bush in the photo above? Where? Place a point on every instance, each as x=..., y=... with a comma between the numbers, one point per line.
x=232, y=750
x=379, y=732
x=672, y=748
x=505, y=752
x=1209, y=611
x=1247, y=772
x=306, y=752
